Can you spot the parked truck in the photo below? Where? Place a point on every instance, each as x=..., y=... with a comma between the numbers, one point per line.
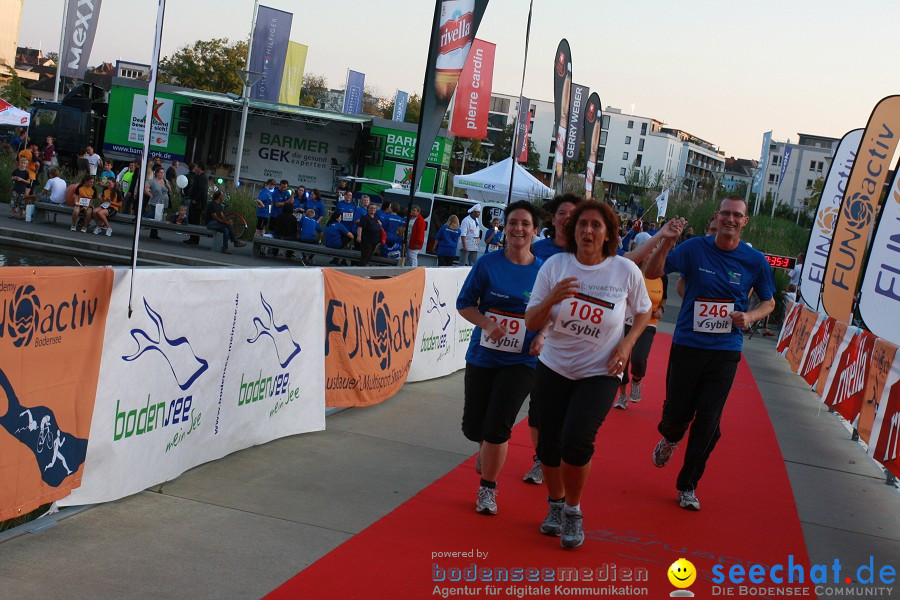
x=79, y=120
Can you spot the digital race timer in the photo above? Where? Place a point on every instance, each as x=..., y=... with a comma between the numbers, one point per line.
x=781, y=262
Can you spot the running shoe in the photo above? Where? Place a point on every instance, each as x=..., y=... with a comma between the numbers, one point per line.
x=572, y=532
x=636, y=390
x=108, y=232
x=487, y=501
x=84, y=230
x=97, y=230
x=552, y=525
x=688, y=500
x=478, y=461
x=73, y=228
x=621, y=402
x=534, y=475
x=663, y=452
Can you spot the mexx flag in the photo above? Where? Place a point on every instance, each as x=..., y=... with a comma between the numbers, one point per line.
x=81, y=27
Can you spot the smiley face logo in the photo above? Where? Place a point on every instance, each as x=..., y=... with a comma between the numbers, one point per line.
x=682, y=573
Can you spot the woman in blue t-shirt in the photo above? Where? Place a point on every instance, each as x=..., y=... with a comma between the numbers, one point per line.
x=501, y=358
x=336, y=235
x=447, y=241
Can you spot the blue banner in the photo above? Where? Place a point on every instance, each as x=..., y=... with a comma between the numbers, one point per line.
x=785, y=161
x=353, y=93
x=400, y=106
x=270, y=43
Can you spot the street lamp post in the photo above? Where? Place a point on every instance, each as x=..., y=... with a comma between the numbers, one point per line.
x=465, y=144
x=249, y=78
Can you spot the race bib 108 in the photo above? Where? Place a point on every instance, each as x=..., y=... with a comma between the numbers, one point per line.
x=582, y=316
x=713, y=315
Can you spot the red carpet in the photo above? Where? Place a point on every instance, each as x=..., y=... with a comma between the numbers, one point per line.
x=631, y=519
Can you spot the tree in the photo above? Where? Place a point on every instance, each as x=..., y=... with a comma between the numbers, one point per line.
x=14, y=92
x=211, y=65
x=413, y=108
x=314, y=92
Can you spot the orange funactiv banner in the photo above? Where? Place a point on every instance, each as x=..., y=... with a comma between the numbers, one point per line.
x=803, y=329
x=838, y=333
x=859, y=208
x=51, y=336
x=880, y=367
x=370, y=335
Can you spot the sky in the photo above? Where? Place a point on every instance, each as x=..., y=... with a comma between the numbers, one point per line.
x=723, y=71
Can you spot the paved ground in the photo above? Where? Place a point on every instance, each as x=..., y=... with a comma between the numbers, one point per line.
x=238, y=527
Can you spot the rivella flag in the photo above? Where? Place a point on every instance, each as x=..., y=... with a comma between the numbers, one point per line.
x=826, y=215
x=473, y=94
x=593, y=119
x=81, y=27
x=292, y=80
x=883, y=444
x=580, y=95
x=879, y=294
x=453, y=31
x=522, y=125
x=55, y=318
x=562, y=91
x=857, y=213
x=353, y=92
x=370, y=335
x=270, y=44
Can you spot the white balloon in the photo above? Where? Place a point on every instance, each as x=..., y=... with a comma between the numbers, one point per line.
x=181, y=181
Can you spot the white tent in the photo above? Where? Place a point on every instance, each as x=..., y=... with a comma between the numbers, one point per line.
x=10, y=115
x=492, y=184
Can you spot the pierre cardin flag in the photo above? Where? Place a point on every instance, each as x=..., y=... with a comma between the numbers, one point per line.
x=473, y=94
x=562, y=90
x=858, y=210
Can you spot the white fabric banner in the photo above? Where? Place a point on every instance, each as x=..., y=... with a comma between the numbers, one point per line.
x=826, y=216
x=662, y=202
x=883, y=442
x=212, y=361
x=879, y=300
x=443, y=336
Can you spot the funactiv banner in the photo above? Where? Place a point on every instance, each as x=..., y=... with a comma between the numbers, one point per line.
x=846, y=383
x=562, y=89
x=208, y=364
x=292, y=79
x=473, y=94
x=883, y=444
x=51, y=335
x=883, y=356
x=826, y=216
x=593, y=119
x=580, y=94
x=879, y=293
x=442, y=337
x=78, y=39
x=270, y=44
x=857, y=213
x=370, y=335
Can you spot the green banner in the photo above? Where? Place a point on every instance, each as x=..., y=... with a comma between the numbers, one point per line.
x=399, y=173
x=125, y=124
x=401, y=145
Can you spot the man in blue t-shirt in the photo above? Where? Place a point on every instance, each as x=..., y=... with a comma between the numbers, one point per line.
x=719, y=273
x=264, y=203
x=347, y=207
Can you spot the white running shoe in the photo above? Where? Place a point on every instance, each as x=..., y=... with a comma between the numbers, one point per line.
x=621, y=402
x=572, y=530
x=487, y=501
x=108, y=232
x=97, y=230
x=688, y=500
x=663, y=452
x=534, y=475
x=636, y=390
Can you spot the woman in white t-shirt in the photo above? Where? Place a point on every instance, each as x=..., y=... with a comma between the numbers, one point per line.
x=584, y=292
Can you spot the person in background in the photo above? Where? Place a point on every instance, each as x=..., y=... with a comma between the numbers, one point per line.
x=84, y=197
x=93, y=160
x=336, y=235
x=448, y=242
x=368, y=233
x=21, y=179
x=361, y=211
x=179, y=217
x=493, y=238
x=157, y=191
x=299, y=201
x=347, y=208
x=794, y=274
x=468, y=237
x=29, y=155
x=501, y=359
x=284, y=226
x=110, y=203
x=172, y=175
x=393, y=223
x=417, y=226
x=55, y=187
x=48, y=155
x=282, y=198
x=198, y=197
x=310, y=230
x=315, y=203
x=107, y=174
x=217, y=221
x=264, y=207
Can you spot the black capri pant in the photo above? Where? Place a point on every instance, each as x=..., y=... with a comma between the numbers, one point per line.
x=494, y=396
x=570, y=412
x=637, y=360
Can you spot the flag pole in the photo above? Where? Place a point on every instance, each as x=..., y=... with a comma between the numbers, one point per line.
x=515, y=138
x=148, y=128
x=59, y=56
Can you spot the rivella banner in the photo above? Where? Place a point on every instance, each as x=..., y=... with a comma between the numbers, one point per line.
x=370, y=335
x=473, y=94
x=442, y=337
x=562, y=90
x=81, y=27
x=846, y=383
x=826, y=216
x=214, y=363
x=51, y=334
x=883, y=444
x=857, y=213
x=879, y=293
x=270, y=44
x=883, y=356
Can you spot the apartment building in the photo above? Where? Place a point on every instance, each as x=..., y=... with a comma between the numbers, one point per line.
x=791, y=179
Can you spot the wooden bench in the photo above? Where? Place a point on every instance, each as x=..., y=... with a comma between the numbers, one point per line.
x=50, y=210
x=260, y=244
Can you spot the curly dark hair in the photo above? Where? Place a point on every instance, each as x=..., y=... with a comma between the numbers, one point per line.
x=610, y=220
x=525, y=205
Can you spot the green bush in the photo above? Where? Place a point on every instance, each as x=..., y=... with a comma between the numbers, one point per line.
x=241, y=200
x=7, y=165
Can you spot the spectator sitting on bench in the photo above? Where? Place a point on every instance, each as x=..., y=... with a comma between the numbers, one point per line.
x=310, y=230
x=110, y=205
x=55, y=188
x=284, y=227
x=180, y=217
x=216, y=221
x=336, y=235
x=84, y=197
